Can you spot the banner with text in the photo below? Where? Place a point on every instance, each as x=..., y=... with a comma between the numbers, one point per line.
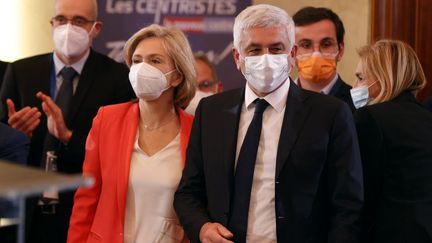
x=207, y=24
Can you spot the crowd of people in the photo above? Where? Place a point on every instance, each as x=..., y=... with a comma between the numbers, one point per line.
x=175, y=158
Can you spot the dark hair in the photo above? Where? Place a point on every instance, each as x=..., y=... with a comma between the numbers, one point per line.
x=310, y=15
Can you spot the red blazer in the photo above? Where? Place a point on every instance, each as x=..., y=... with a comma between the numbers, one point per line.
x=99, y=212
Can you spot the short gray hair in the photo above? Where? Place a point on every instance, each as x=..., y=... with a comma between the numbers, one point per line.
x=262, y=15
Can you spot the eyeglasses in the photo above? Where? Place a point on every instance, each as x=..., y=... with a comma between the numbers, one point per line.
x=327, y=49
x=78, y=21
x=206, y=85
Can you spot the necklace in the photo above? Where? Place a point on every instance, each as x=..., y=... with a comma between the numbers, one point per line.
x=149, y=128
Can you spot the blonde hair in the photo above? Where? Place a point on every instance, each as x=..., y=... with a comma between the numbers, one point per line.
x=177, y=46
x=395, y=66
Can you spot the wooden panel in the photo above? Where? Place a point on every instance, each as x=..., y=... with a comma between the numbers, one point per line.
x=409, y=21
x=424, y=43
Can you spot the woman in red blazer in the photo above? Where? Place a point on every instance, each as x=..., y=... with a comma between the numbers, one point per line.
x=136, y=151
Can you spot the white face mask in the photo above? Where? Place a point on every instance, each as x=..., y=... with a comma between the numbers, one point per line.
x=195, y=101
x=71, y=40
x=267, y=72
x=360, y=95
x=147, y=81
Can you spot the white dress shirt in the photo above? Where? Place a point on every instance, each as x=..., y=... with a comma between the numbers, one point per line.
x=262, y=216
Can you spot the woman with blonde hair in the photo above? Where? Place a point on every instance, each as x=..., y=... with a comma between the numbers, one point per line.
x=136, y=150
x=395, y=137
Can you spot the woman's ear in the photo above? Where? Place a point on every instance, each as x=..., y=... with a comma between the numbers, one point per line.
x=176, y=78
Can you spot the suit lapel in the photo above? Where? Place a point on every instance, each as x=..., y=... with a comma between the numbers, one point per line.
x=231, y=118
x=295, y=114
x=86, y=79
x=126, y=143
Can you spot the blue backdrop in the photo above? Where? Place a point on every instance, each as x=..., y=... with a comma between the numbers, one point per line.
x=207, y=24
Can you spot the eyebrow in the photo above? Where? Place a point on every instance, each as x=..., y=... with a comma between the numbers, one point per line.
x=259, y=45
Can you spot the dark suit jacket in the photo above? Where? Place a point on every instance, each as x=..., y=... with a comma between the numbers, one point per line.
x=319, y=187
x=395, y=139
x=3, y=66
x=102, y=82
x=428, y=103
x=14, y=146
x=341, y=90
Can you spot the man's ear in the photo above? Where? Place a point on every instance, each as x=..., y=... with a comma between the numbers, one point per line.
x=341, y=51
x=96, y=29
x=236, y=56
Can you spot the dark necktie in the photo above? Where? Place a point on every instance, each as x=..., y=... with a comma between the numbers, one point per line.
x=65, y=93
x=244, y=175
x=63, y=100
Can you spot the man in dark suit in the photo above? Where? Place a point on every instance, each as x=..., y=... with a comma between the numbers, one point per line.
x=320, y=40
x=270, y=162
x=54, y=97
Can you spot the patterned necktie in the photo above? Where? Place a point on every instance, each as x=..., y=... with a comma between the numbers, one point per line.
x=244, y=175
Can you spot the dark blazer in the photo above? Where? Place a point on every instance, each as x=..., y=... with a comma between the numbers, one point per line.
x=395, y=139
x=14, y=146
x=3, y=66
x=341, y=90
x=428, y=103
x=102, y=82
x=319, y=187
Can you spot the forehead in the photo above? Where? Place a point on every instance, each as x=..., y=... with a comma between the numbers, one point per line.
x=316, y=31
x=150, y=46
x=70, y=8
x=264, y=36
x=204, y=72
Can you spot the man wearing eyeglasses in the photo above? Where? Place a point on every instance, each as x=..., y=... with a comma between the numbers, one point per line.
x=207, y=81
x=53, y=99
x=319, y=37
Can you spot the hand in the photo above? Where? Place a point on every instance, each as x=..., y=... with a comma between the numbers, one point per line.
x=215, y=232
x=55, y=121
x=24, y=120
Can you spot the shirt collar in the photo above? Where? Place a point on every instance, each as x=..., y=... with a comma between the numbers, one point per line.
x=77, y=66
x=326, y=90
x=277, y=99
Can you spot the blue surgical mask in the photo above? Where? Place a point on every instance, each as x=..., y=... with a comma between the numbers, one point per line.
x=360, y=95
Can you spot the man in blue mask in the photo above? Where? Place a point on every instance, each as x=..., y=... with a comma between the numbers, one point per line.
x=270, y=162
x=53, y=98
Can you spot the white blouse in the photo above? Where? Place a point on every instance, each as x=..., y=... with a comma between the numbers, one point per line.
x=150, y=215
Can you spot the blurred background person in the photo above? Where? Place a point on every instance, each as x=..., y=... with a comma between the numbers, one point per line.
x=207, y=81
x=395, y=136
x=136, y=150
x=53, y=98
x=320, y=40
x=14, y=146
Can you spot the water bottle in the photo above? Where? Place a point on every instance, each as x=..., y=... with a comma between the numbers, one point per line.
x=50, y=198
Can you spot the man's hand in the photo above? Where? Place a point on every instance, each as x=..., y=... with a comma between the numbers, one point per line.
x=24, y=120
x=55, y=121
x=215, y=232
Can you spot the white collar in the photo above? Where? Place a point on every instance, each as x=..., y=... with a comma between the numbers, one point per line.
x=77, y=66
x=277, y=99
